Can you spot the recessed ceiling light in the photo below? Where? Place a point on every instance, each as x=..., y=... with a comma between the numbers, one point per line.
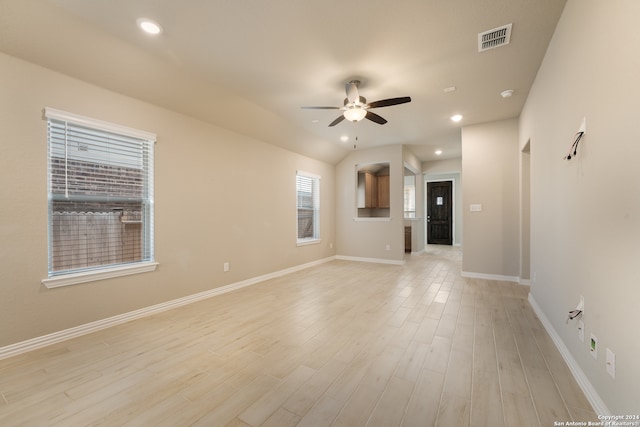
x=315, y=121
x=506, y=93
x=438, y=152
x=449, y=89
x=344, y=138
x=149, y=26
x=456, y=118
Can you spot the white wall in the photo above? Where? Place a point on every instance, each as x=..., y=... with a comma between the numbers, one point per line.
x=585, y=215
x=490, y=165
x=219, y=197
x=366, y=238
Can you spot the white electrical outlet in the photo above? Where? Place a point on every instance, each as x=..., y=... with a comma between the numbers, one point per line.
x=611, y=363
x=225, y=266
x=388, y=247
x=593, y=347
x=581, y=330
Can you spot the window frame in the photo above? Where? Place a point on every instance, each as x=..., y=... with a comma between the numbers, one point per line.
x=315, y=238
x=87, y=274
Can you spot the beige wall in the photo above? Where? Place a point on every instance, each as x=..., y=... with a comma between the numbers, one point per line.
x=220, y=197
x=417, y=224
x=442, y=166
x=368, y=238
x=585, y=213
x=490, y=165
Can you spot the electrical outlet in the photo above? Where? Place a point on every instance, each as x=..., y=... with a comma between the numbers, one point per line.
x=388, y=247
x=593, y=347
x=611, y=363
x=581, y=330
x=225, y=266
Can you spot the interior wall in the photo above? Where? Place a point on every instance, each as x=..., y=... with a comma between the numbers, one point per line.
x=585, y=213
x=417, y=223
x=491, y=179
x=370, y=237
x=219, y=197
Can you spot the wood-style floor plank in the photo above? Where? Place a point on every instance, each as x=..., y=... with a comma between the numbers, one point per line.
x=339, y=344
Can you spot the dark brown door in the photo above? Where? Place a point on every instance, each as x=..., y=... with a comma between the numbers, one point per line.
x=439, y=213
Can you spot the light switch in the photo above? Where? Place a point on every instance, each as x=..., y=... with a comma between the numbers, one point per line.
x=475, y=208
x=611, y=363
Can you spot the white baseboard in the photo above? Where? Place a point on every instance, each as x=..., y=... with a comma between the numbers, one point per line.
x=56, y=337
x=374, y=260
x=526, y=282
x=589, y=391
x=484, y=276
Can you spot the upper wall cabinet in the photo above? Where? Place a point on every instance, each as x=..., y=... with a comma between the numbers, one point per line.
x=372, y=198
x=383, y=191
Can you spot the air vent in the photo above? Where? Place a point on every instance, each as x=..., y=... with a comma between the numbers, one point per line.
x=494, y=38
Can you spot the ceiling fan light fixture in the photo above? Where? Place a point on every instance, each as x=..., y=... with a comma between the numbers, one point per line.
x=355, y=114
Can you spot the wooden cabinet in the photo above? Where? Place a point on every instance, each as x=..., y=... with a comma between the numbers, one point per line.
x=407, y=239
x=370, y=190
x=383, y=191
x=373, y=191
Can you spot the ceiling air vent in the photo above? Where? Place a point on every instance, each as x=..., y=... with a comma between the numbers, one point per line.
x=494, y=38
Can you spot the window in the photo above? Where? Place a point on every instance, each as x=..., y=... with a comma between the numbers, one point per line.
x=100, y=199
x=409, y=195
x=308, y=203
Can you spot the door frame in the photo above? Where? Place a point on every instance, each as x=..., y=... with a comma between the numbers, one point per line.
x=453, y=209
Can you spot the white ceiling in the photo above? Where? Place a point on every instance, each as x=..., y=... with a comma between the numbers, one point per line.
x=250, y=65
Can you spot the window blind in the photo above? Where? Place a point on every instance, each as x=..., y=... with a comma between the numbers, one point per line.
x=308, y=201
x=100, y=194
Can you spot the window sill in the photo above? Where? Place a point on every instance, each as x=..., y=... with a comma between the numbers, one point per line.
x=308, y=242
x=90, y=276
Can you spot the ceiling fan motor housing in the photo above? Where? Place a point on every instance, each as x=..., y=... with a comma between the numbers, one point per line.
x=356, y=108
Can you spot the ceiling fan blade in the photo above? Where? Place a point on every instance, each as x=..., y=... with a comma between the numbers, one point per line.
x=352, y=91
x=389, y=102
x=375, y=118
x=336, y=121
x=321, y=108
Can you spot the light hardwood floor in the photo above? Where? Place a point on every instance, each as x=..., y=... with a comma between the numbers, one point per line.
x=341, y=344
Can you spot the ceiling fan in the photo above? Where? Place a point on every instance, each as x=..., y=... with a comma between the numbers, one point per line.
x=356, y=107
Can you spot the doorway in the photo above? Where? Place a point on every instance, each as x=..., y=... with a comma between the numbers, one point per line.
x=439, y=213
x=525, y=214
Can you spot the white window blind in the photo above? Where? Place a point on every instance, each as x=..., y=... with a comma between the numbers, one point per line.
x=308, y=203
x=100, y=194
x=409, y=200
